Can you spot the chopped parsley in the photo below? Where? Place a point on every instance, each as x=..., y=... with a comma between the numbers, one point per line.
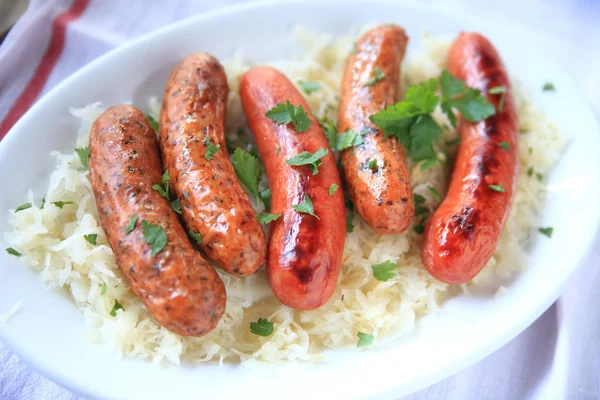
x=455, y=94
x=13, y=252
x=61, y=204
x=262, y=328
x=283, y=114
x=265, y=196
x=378, y=75
x=333, y=188
x=131, y=224
x=211, y=149
x=434, y=193
x=84, y=155
x=164, y=189
x=498, y=188
x=372, y=165
x=312, y=160
x=92, y=238
x=43, y=202
x=117, y=306
x=546, y=231
x=103, y=290
x=418, y=200
x=176, y=206
x=505, y=145
x=429, y=164
x=548, y=87
x=420, y=227
x=265, y=218
x=383, y=271
x=23, y=207
x=501, y=90
x=306, y=207
x=330, y=130
x=153, y=123
x=155, y=236
x=349, y=219
x=309, y=86
x=364, y=339
x=247, y=167
x=348, y=139
x=196, y=237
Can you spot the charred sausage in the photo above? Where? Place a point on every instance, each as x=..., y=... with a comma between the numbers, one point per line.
x=305, y=252
x=464, y=231
x=382, y=196
x=213, y=203
x=178, y=287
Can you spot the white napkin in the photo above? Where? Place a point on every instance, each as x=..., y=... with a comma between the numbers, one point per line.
x=558, y=357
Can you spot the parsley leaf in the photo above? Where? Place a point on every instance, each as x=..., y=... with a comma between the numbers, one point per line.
x=435, y=193
x=22, y=207
x=548, y=86
x=546, y=231
x=265, y=195
x=247, y=168
x=377, y=76
x=91, y=238
x=305, y=207
x=153, y=123
x=286, y=113
x=364, y=339
x=501, y=90
x=176, y=206
x=505, y=145
x=423, y=133
x=473, y=106
x=155, y=236
x=383, y=271
x=84, y=154
x=309, y=86
x=211, y=149
x=43, y=202
x=265, y=218
x=330, y=130
x=196, y=237
x=312, y=160
x=372, y=165
x=349, y=220
x=498, y=188
x=164, y=189
x=428, y=164
x=117, y=306
x=61, y=204
x=262, y=328
x=333, y=188
x=347, y=139
x=131, y=224
x=418, y=200
x=420, y=228
x=13, y=252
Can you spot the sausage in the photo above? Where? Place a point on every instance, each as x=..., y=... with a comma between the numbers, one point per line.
x=463, y=232
x=305, y=253
x=383, y=197
x=179, y=288
x=212, y=200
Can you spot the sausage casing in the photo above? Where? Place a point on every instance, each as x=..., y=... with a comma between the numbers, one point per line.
x=464, y=231
x=383, y=197
x=212, y=200
x=305, y=252
x=179, y=288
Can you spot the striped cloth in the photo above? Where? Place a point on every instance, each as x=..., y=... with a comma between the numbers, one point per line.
x=558, y=357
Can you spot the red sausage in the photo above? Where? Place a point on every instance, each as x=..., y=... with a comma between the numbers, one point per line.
x=179, y=288
x=304, y=253
x=464, y=231
x=383, y=198
x=213, y=202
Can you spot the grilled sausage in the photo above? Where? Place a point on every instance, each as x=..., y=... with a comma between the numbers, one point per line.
x=212, y=201
x=464, y=231
x=178, y=287
x=382, y=197
x=305, y=252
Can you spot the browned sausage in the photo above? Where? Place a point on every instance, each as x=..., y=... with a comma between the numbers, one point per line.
x=178, y=287
x=382, y=196
x=464, y=231
x=305, y=253
x=212, y=201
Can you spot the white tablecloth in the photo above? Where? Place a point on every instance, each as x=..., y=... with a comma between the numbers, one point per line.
x=558, y=357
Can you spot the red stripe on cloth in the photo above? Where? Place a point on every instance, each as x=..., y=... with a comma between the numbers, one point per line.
x=38, y=80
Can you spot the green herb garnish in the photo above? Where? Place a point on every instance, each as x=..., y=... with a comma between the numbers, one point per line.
x=155, y=236
x=61, y=204
x=546, y=231
x=265, y=218
x=306, y=207
x=498, y=188
x=247, y=167
x=312, y=160
x=92, y=238
x=309, y=86
x=364, y=339
x=434, y=193
x=84, y=155
x=164, y=189
x=262, y=328
x=383, y=271
x=333, y=188
x=501, y=90
x=153, y=123
x=117, y=306
x=131, y=224
x=378, y=75
x=23, y=207
x=196, y=237
x=283, y=114
x=13, y=252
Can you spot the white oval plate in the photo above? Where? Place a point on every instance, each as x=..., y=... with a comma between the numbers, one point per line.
x=45, y=333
